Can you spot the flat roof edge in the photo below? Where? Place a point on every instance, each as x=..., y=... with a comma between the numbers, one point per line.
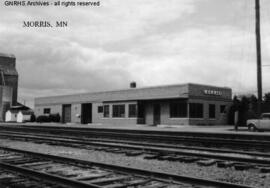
x=112, y=91
x=129, y=89
x=223, y=87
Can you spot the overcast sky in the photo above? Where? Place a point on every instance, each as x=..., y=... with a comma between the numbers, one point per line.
x=152, y=42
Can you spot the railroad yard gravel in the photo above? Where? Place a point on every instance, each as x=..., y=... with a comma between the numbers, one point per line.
x=247, y=177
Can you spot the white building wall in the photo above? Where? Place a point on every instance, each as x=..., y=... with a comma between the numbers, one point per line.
x=10, y=117
x=22, y=118
x=97, y=117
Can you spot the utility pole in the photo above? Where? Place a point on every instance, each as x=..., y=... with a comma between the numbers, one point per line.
x=259, y=63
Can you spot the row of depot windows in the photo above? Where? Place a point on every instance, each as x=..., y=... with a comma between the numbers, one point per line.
x=179, y=110
x=118, y=110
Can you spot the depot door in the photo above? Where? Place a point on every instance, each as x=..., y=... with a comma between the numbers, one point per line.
x=156, y=114
x=66, y=114
x=86, y=114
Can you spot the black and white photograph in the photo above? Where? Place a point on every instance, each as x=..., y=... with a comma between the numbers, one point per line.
x=135, y=94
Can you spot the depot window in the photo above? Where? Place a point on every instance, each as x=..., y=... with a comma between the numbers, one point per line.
x=119, y=110
x=222, y=109
x=46, y=111
x=212, y=111
x=132, y=110
x=178, y=109
x=106, y=111
x=196, y=110
x=100, y=109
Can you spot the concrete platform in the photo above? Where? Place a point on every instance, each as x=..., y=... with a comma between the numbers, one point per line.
x=224, y=129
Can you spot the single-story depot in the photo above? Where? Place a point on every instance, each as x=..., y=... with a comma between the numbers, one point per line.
x=185, y=104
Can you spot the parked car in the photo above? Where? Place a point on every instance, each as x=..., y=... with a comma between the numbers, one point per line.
x=259, y=124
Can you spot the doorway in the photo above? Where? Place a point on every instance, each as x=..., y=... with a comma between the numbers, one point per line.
x=156, y=114
x=86, y=113
x=66, y=113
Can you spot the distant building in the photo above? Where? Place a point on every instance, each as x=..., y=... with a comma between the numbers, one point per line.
x=19, y=113
x=5, y=100
x=24, y=116
x=9, y=74
x=11, y=116
x=8, y=83
x=184, y=104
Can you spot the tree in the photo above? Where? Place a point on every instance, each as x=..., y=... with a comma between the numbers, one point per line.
x=233, y=109
x=253, y=107
x=266, y=97
x=243, y=111
x=266, y=102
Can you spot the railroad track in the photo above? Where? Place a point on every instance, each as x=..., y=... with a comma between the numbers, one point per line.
x=60, y=171
x=9, y=178
x=203, y=157
x=232, y=136
x=136, y=143
x=215, y=140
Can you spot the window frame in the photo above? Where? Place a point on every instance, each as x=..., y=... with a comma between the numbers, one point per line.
x=100, y=109
x=106, y=111
x=118, y=111
x=222, y=109
x=130, y=115
x=199, y=114
x=178, y=113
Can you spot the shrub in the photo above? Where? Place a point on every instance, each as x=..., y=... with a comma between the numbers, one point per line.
x=32, y=118
x=54, y=118
x=48, y=118
x=43, y=118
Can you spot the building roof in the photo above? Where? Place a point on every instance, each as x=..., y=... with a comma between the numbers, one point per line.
x=7, y=55
x=19, y=107
x=147, y=93
x=159, y=92
x=26, y=112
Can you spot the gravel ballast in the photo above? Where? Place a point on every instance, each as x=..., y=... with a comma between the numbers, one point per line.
x=250, y=177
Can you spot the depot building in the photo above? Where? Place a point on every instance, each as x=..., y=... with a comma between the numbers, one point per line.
x=183, y=104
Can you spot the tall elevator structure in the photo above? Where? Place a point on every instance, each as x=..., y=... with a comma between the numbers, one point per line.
x=8, y=83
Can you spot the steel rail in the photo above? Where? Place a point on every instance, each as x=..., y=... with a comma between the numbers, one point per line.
x=153, y=137
x=143, y=173
x=160, y=145
x=230, y=135
x=251, y=159
x=47, y=177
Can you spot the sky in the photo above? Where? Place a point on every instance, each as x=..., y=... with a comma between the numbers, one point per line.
x=152, y=42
